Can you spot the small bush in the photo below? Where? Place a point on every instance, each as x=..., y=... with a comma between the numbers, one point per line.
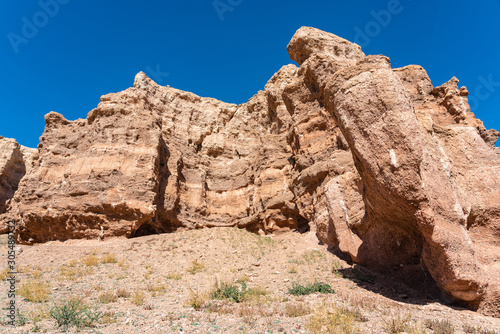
x=355, y=313
x=226, y=291
x=107, y=297
x=440, y=326
x=197, y=300
x=470, y=329
x=319, y=287
x=108, y=317
x=90, y=261
x=331, y=319
x=74, y=312
x=237, y=294
x=73, y=273
x=196, y=267
x=34, y=291
x=297, y=310
x=122, y=293
x=156, y=290
x=109, y=258
x=138, y=298
x=174, y=276
x=4, y=274
x=397, y=324
x=122, y=264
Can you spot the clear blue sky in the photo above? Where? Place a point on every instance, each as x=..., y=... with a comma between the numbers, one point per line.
x=85, y=49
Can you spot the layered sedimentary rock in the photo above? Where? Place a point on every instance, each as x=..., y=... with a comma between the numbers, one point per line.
x=15, y=162
x=387, y=169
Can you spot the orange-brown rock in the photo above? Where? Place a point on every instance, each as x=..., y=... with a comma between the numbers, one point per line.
x=395, y=173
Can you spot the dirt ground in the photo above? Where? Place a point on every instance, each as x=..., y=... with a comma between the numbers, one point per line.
x=220, y=280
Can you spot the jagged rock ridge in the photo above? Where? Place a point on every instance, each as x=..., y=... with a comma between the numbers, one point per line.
x=389, y=170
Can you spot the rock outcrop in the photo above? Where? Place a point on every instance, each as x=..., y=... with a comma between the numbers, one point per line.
x=15, y=162
x=390, y=171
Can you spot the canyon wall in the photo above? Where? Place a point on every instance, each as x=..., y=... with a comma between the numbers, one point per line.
x=388, y=170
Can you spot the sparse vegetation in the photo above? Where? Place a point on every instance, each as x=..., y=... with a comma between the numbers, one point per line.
x=122, y=264
x=34, y=291
x=4, y=274
x=319, y=287
x=297, y=310
x=196, y=267
x=74, y=273
x=74, y=312
x=90, y=261
x=138, y=298
x=331, y=319
x=241, y=267
x=156, y=290
x=107, y=297
x=122, y=293
x=109, y=258
x=440, y=326
x=401, y=324
x=40, y=313
x=197, y=300
x=236, y=293
x=470, y=329
x=174, y=276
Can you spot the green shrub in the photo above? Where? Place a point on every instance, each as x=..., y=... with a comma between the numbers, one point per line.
x=237, y=294
x=320, y=287
x=74, y=312
x=226, y=291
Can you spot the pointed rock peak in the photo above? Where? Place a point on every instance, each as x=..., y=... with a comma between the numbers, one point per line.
x=308, y=41
x=142, y=81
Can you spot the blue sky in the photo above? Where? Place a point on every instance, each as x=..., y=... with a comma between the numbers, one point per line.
x=63, y=57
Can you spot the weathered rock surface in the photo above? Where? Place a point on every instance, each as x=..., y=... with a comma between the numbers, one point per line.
x=395, y=173
x=15, y=162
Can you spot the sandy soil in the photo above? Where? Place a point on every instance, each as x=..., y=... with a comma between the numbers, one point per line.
x=166, y=283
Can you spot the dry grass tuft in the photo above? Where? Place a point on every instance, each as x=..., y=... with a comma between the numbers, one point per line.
x=109, y=258
x=157, y=290
x=34, y=291
x=440, y=326
x=197, y=300
x=138, y=298
x=196, y=267
x=107, y=297
x=90, y=261
x=401, y=324
x=174, y=276
x=331, y=319
x=297, y=310
x=122, y=293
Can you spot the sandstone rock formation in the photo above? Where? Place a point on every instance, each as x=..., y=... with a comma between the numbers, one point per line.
x=15, y=162
x=395, y=173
